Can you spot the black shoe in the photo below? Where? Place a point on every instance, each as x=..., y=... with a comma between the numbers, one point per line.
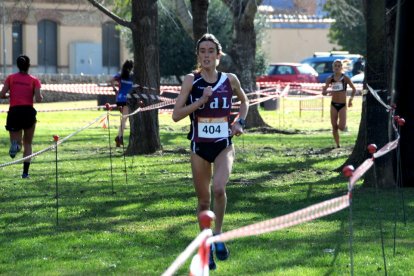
x=222, y=252
x=211, y=263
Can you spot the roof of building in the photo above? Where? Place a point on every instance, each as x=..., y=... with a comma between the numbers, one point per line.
x=298, y=18
x=296, y=14
x=295, y=6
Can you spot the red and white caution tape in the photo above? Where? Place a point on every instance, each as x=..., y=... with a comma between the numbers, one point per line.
x=285, y=91
x=307, y=214
x=98, y=89
x=360, y=171
x=54, y=145
x=200, y=262
x=79, y=88
x=64, y=109
x=183, y=257
x=376, y=96
x=387, y=148
x=304, y=98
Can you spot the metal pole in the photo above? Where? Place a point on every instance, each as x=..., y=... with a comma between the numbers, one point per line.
x=123, y=150
x=351, y=235
x=108, y=107
x=56, y=182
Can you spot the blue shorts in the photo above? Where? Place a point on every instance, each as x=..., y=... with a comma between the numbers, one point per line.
x=210, y=151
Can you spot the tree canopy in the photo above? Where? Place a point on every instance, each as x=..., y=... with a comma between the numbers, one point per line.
x=349, y=29
x=176, y=47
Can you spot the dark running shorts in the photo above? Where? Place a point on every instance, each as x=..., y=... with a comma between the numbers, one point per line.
x=209, y=151
x=338, y=106
x=20, y=117
x=121, y=103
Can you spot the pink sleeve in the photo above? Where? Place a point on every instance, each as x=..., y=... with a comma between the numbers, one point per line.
x=8, y=80
x=37, y=83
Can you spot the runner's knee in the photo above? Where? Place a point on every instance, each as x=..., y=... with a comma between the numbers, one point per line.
x=219, y=192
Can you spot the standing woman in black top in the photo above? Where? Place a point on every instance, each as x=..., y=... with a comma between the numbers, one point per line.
x=338, y=82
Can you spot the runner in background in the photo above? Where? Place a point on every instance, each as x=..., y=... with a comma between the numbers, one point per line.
x=338, y=82
x=21, y=87
x=122, y=84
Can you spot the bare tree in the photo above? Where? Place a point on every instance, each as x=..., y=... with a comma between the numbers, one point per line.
x=144, y=133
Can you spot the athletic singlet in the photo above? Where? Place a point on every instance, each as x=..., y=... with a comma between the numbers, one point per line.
x=22, y=87
x=211, y=121
x=338, y=86
x=125, y=86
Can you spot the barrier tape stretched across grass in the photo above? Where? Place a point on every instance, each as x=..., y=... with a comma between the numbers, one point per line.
x=304, y=215
x=54, y=145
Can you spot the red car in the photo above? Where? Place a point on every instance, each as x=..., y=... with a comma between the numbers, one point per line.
x=289, y=72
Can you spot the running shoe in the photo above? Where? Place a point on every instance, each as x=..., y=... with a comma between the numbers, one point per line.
x=222, y=252
x=211, y=262
x=14, y=149
x=25, y=175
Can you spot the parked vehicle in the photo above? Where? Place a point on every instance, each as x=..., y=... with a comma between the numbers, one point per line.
x=358, y=78
x=353, y=64
x=289, y=72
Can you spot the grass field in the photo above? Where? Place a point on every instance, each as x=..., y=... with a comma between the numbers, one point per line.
x=137, y=221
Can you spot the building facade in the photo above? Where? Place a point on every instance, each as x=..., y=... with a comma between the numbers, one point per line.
x=295, y=29
x=73, y=37
x=60, y=37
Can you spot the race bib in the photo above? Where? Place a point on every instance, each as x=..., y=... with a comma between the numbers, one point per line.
x=337, y=86
x=213, y=127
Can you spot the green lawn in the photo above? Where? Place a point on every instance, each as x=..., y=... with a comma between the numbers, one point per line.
x=136, y=222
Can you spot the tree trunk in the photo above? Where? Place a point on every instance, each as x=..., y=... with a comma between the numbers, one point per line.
x=404, y=87
x=374, y=118
x=243, y=51
x=144, y=133
x=200, y=21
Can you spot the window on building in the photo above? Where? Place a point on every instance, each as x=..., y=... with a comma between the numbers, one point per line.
x=17, y=42
x=110, y=48
x=47, y=46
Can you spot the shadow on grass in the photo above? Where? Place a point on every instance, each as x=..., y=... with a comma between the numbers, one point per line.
x=159, y=203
